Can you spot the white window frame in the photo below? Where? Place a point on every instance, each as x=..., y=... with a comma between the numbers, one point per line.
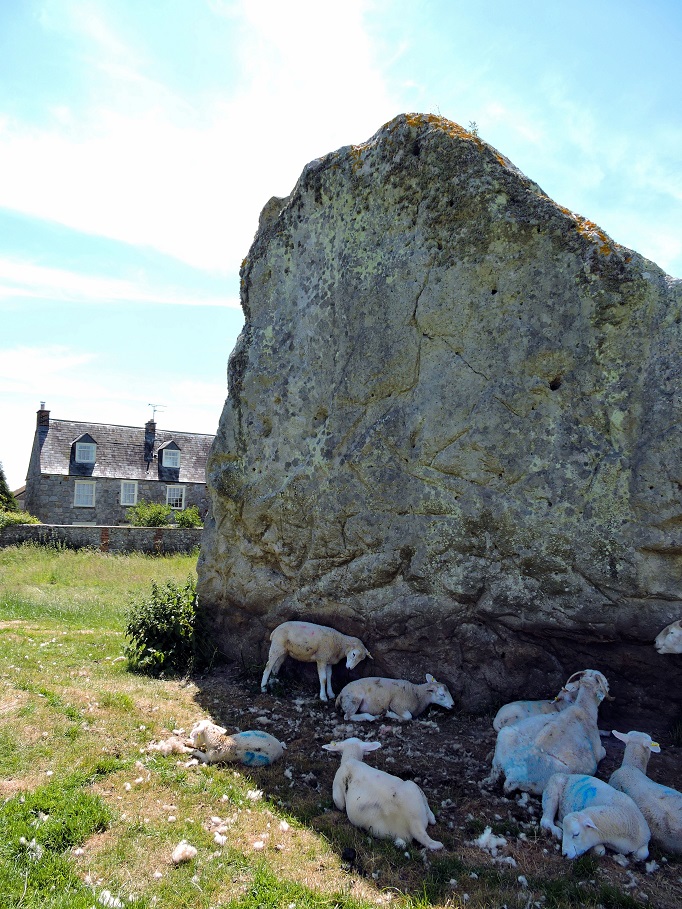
x=171, y=457
x=125, y=483
x=169, y=490
x=86, y=452
x=81, y=485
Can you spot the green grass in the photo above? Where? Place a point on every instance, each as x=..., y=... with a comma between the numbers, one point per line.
x=106, y=814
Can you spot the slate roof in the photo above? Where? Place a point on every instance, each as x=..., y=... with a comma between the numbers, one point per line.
x=121, y=452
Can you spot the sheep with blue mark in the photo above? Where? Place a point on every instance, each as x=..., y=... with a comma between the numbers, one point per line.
x=530, y=751
x=592, y=815
x=516, y=711
x=660, y=805
x=253, y=747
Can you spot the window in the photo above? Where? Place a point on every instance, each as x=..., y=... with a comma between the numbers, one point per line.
x=175, y=496
x=128, y=492
x=85, y=452
x=171, y=457
x=84, y=494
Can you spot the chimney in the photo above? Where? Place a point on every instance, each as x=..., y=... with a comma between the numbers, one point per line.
x=43, y=416
x=149, y=438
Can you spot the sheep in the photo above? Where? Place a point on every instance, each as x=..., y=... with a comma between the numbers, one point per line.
x=530, y=751
x=382, y=804
x=660, y=805
x=593, y=815
x=312, y=643
x=366, y=699
x=670, y=639
x=253, y=748
x=515, y=711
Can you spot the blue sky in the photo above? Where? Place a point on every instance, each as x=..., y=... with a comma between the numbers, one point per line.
x=139, y=141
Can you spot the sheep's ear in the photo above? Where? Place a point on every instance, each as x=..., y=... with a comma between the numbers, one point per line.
x=620, y=735
x=369, y=655
x=371, y=746
x=430, y=678
x=588, y=822
x=332, y=746
x=655, y=747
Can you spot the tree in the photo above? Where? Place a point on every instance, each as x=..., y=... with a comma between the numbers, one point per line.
x=7, y=500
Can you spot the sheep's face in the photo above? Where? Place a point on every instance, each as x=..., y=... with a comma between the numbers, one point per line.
x=440, y=695
x=355, y=656
x=205, y=734
x=670, y=639
x=580, y=834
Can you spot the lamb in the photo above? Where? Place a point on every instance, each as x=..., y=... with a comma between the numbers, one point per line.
x=530, y=751
x=594, y=815
x=660, y=805
x=670, y=639
x=382, y=804
x=366, y=699
x=312, y=643
x=253, y=748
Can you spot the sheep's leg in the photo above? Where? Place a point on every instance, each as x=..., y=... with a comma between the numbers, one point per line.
x=406, y=715
x=421, y=836
x=359, y=717
x=322, y=669
x=275, y=660
x=550, y=806
x=328, y=679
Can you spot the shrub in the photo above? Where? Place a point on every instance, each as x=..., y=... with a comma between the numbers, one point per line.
x=16, y=517
x=161, y=630
x=149, y=514
x=7, y=500
x=190, y=517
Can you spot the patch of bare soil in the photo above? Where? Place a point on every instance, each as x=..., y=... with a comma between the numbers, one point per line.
x=449, y=755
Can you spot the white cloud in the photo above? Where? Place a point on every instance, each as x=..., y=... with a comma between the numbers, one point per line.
x=19, y=278
x=188, y=177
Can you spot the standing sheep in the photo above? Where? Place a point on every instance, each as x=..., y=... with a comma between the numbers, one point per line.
x=368, y=698
x=529, y=752
x=593, y=815
x=312, y=643
x=670, y=639
x=660, y=805
x=382, y=804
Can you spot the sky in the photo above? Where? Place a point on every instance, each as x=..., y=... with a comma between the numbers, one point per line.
x=140, y=140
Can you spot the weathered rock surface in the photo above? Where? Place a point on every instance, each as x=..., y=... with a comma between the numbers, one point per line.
x=453, y=429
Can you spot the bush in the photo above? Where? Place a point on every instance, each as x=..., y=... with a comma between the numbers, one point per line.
x=16, y=517
x=7, y=500
x=161, y=630
x=149, y=514
x=190, y=517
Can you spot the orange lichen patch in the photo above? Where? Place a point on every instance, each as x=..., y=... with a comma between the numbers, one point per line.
x=590, y=231
x=449, y=126
x=356, y=153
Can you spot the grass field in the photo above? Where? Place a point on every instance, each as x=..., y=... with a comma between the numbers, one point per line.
x=90, y=818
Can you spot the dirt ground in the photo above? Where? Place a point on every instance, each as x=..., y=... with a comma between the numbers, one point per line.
x=448, y=754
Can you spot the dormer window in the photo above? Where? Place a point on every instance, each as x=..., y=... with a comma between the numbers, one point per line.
x=171, y=457
x=85, y=450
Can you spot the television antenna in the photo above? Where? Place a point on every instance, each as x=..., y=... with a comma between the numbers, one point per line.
x=156, y=407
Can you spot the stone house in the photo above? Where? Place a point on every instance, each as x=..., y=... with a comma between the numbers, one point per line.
x=91, y=473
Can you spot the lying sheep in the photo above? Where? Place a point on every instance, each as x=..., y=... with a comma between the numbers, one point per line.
x=593, y=815
x=660, y=805
x=312, y=643
x=530, y=751
x=670, y=639
x=382, y=804
x=520, y=710
x=253, y=748
x=367, y=699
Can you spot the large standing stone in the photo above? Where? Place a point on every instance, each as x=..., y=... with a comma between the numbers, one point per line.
x=453, y=428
